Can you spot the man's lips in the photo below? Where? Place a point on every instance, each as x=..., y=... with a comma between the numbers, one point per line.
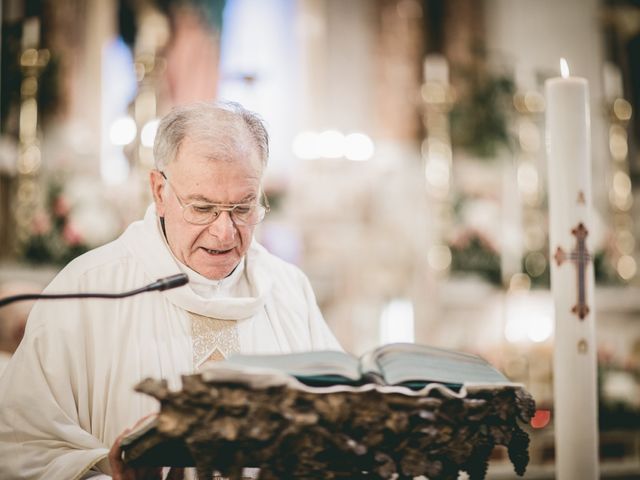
x=211, y=251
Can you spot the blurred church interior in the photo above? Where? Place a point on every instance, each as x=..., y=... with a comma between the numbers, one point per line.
x=407, y=175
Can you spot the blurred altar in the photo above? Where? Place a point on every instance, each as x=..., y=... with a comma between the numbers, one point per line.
x=407, y=174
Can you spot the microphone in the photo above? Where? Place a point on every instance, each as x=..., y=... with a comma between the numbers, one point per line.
x=167, y=283
x=161, y=284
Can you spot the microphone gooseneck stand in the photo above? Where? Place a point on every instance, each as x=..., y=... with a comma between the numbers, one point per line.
x=161, y=284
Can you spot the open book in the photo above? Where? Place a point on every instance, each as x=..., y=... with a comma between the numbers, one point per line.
x=405, y=364
x=267, y=411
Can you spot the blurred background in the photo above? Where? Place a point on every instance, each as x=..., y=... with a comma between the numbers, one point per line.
x=407, y=175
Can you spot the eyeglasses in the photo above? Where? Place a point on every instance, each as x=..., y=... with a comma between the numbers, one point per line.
x=201, y=213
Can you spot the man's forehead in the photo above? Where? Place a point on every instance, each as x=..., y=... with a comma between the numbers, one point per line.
x=218, y=150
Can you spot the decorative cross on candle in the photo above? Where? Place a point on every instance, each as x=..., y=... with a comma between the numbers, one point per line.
x=581, y=257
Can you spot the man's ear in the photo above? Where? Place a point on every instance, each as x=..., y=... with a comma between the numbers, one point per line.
x=156, y=180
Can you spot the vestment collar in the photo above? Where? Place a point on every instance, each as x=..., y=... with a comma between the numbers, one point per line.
x=146, y=242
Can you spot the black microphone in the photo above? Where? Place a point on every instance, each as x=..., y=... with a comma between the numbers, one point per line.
x=161, y=284
x=167, y=283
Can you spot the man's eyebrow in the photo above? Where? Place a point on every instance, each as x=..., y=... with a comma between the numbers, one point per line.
x=201, y=198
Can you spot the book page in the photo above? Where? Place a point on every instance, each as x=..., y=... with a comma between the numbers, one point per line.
x=323, y=367
x=419, y=364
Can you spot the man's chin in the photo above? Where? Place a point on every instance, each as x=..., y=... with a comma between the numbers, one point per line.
x=215, y=266
x=218, y=272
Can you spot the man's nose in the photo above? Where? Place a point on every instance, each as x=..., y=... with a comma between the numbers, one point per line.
x=223, y=228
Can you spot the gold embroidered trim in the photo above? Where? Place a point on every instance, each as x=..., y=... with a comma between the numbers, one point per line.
x=213, y=339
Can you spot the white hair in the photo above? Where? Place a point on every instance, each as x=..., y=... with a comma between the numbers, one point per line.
x=227, y=126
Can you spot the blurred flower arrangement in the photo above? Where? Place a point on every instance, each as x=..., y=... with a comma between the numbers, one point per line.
x=480, y=126
x=474, y=240
x=618, y=391
x=473, y=252
x=480, y=118
x=73, y=219
x=54, y=238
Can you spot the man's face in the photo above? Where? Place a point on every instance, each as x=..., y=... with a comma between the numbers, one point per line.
x=200, y=174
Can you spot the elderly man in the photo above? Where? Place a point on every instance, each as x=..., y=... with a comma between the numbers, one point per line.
x=67, y=394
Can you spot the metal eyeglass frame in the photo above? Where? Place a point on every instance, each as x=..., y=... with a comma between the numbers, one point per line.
x=218, y=208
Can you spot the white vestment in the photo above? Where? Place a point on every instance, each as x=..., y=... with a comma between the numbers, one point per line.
x=4, y=360
x=68, y=391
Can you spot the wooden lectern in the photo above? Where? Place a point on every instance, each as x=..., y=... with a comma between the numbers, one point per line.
x=224, y=419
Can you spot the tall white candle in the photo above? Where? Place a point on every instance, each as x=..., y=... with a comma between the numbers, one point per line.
x=572, y=277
